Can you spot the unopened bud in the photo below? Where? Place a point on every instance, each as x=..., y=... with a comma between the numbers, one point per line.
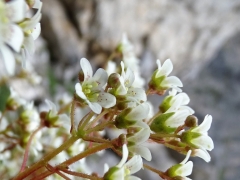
x=114, y=80
x=191, y=121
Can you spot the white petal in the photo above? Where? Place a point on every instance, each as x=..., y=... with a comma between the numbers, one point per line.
x=141, y=124
x=106, y=100
x=159, y=64
x=202, y=154
x=29, y=45
x=32, y=23
x=87, y=68
x=101, y=77
x=14, y=37
x=138, y=113
x=166, y=68
x=8, y=59
x=175, y=104
x=134, y=164
x=172, y=81
x=142, y=151
x=78, y=89
x=106, y=168
x=187, y=157
x=185, y=178
x=36, y=31
x=97, y=108
x=133, y=178
x=37, y=4
x=16, y=10
x=138, y=93
x=203, y=142
x=51, y=106
x=124, y=156
x=129, y=78
x=185, y=170
x=205, y=125
x=140, y=137
x=184, y=98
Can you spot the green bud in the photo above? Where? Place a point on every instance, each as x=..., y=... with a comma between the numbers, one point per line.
x=155, y=84
x=159, y=124
x=166, y=104
x=191, y=121
x=122, y=122
x=113, y=80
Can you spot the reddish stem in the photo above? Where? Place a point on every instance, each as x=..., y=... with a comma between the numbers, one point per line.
x=25, y=158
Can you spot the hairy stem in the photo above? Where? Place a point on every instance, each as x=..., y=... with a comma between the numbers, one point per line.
x=46, y=158
x=77, y=158
x=25, y=157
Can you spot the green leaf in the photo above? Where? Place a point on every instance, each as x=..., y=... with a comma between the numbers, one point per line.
x=4, y=94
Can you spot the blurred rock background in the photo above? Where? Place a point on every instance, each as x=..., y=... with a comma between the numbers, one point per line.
x=202, y=38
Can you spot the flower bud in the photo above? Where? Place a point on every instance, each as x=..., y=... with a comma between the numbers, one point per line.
x=191, y=121
x=159, y=124
x=121, y=120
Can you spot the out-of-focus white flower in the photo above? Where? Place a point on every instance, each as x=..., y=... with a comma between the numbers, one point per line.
x=17, y=31
x=197, y=137
x=124, y=169
x=30, y=117
x=91, y=89
x=131, y=61
x=54, y=119
x=160, y=81
x=181, y=170
x=14, y=101
x=36, y=145
x=11, y=35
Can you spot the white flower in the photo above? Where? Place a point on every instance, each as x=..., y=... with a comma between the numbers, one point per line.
x=91, y=90
x=181, y=170
x=32, y=29
x=136, y=141
x=14, y=101
x=123, y=89
x=197, y=137
x=174, y=102
x=55, y=119
x=30, y=117
x=132, y=116
x=124, y=169
x=160, y=81
x=11, y=34
x=131, y=61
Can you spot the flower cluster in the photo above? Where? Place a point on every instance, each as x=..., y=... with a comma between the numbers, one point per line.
x=18, y=31
x=54, y=139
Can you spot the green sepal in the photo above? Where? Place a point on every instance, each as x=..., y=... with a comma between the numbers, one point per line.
x=155, y=82
x=109, y=175
x=159, y=124
x=166, y=104
x=187, y=137
x=122, y=122
x=171, y=172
